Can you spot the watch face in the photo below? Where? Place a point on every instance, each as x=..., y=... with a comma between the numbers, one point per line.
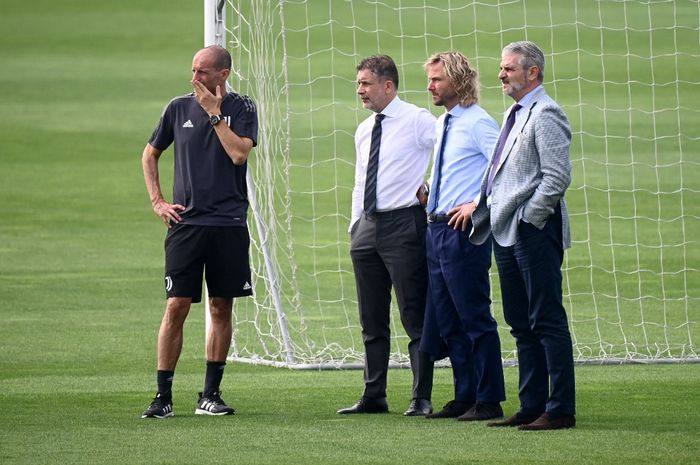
x=214, y=119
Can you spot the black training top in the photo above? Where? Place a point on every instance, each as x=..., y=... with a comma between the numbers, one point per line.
x=206, y=182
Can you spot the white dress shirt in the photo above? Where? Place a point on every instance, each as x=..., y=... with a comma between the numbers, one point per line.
x=408, y=137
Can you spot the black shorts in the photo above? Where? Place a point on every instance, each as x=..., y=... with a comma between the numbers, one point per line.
x=220, y=250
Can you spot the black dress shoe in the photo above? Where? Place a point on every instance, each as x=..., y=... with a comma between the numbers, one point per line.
x=419, y=408
x=548, y=421
x=452, y=409
x=366, y=405
x=481, y=412
x=516, y=420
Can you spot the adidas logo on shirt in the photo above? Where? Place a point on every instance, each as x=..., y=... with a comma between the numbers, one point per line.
x=188, y=124
x=246, y=286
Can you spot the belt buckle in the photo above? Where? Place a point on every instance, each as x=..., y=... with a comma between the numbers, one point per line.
x=435, y=218
x=438, y=218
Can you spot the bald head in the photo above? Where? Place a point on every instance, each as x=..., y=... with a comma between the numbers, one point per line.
x=211, y=66
x=219, y=56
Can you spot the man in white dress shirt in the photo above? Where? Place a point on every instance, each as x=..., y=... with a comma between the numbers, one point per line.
x=387, y=229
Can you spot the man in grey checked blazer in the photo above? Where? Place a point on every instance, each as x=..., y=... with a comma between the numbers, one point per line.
x=522, y=207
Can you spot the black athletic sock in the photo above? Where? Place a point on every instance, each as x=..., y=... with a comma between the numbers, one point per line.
x=165, y=383
x=215, y=371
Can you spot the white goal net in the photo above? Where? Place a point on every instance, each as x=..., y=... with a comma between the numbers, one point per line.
x=626, y=72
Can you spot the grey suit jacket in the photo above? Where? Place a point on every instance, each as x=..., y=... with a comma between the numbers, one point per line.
x=532, y=176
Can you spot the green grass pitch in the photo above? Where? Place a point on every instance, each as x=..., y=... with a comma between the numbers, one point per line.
x=80, y=286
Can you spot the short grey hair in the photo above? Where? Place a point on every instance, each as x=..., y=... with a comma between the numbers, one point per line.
x=530, y=55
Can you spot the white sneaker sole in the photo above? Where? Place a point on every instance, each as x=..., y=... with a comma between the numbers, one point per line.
x=200, y=411
x=159, y=417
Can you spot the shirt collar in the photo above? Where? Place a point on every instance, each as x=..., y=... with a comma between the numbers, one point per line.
x=457, y=111
x=530, y=96
x=393, y=109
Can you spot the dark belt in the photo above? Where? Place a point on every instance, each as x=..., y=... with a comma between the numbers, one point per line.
x=438, y=218
x=384, y=215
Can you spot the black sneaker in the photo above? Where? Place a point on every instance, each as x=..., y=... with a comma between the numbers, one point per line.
x=213, y=404
x=159, y=408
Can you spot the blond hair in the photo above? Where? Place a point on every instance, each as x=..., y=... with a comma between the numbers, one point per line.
x=462, y=76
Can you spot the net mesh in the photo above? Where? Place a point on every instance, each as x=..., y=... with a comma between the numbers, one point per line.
x=626, y=73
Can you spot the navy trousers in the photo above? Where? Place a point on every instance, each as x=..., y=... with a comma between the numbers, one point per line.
x=459, y=293
x=531, y=287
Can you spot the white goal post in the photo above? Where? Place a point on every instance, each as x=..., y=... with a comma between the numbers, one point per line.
x=627, y=73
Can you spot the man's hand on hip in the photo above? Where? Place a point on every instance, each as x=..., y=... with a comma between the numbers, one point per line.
x=460, y=216
x=168, y=212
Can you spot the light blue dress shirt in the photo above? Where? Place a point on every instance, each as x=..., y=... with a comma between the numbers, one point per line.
x=525, y=101
x=471, y=137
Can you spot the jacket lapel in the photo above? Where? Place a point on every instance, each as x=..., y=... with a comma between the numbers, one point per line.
x=520, y=123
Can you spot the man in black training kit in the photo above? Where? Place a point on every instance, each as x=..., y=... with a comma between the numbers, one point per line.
x=213, y=132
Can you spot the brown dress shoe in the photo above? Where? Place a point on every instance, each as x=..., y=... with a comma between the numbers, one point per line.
x=547, y=422
x=516, y=420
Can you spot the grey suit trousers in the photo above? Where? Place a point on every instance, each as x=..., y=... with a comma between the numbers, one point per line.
x=388, y=249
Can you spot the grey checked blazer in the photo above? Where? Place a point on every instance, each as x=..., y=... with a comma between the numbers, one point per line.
x=533, y=174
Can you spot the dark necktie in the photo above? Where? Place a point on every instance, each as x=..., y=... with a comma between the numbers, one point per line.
x=373, y=166
x=499, y=146
x=433, y=199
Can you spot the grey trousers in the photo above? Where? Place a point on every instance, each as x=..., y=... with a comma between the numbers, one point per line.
x=388, y=249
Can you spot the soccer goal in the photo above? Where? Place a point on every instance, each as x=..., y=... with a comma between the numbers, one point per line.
x=627, y=73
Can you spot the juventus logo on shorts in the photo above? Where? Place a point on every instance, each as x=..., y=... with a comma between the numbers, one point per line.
x=168, y=283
